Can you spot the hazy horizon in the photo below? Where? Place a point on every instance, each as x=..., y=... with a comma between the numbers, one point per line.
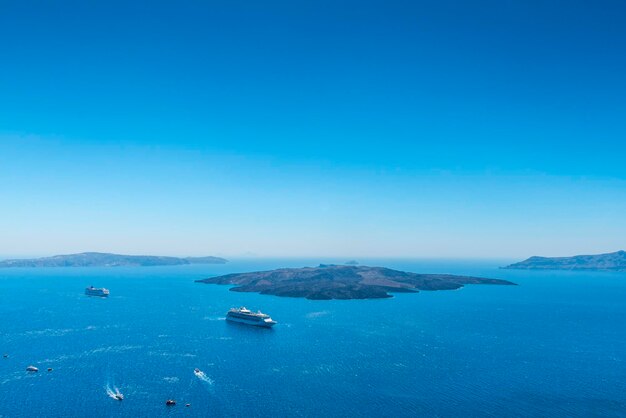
x=334, y=258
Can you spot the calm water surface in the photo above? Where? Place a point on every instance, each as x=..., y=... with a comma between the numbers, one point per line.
x=553, y=346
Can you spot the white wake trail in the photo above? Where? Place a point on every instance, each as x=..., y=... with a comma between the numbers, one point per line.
x=114, y=393
x=202, y=376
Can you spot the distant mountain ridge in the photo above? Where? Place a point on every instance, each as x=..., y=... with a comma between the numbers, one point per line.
x=93, y=259
x=611, y=261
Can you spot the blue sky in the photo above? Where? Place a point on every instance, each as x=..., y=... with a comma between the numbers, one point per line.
x=409, y=129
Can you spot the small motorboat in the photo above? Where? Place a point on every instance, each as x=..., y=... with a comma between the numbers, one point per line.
x=32, y=369
x=170, y=402
x=114, y=394
x=49, y=369
x=187, y=405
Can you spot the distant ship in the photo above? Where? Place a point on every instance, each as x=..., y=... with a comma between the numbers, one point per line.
x=97, y=291
x=246, y=316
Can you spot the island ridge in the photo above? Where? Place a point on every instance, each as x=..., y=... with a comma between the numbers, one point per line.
x=93, y=259
x=611, y=261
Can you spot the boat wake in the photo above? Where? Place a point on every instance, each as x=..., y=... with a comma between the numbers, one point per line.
x=114, y=393
x=202, y=376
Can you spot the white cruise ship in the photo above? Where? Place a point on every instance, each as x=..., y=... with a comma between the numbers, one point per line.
x=246, y=316
x=97, y=291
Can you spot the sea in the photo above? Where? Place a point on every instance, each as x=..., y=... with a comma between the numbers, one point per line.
x=553, y=346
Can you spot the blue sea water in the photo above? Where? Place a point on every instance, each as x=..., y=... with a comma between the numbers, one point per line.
x=553, y=346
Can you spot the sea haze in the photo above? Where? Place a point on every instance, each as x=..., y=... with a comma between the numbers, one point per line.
x=552, y=346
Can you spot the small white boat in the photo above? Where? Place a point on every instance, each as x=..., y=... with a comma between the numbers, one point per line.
x=32, y=369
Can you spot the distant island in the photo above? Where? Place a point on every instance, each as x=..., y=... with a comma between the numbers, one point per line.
x=611, y=261
x=91, y=259
x=343, y=282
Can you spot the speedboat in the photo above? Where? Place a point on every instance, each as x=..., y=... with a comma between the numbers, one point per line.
x=32, y=369
x=114, y=393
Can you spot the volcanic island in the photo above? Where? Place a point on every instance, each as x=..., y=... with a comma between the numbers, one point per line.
x=343, y=282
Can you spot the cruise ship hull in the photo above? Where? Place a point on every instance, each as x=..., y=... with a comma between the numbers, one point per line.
x=262, y=324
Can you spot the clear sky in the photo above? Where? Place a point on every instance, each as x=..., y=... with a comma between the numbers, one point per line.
x=313, y=128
